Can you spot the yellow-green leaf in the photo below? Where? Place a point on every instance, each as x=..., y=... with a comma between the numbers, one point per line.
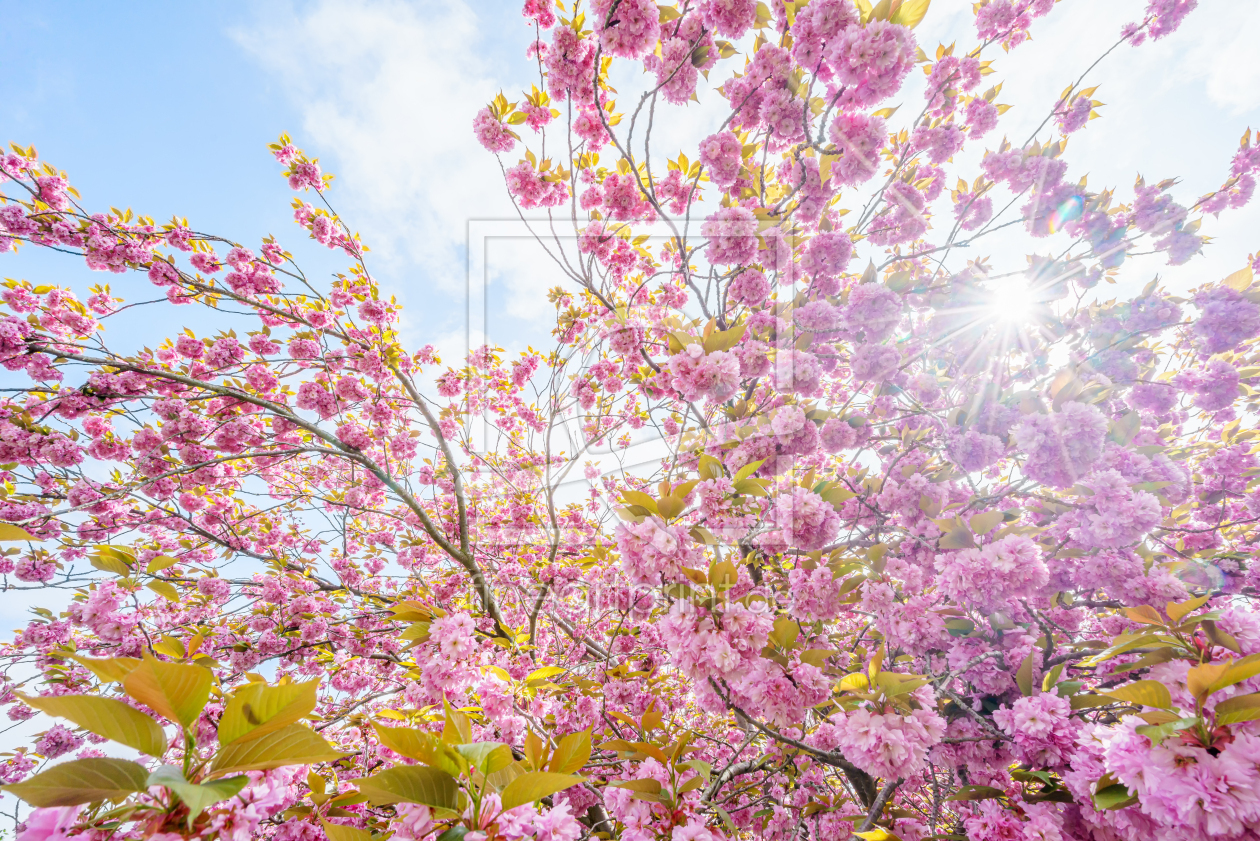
x=639, y=498
x=1144, y=614
x=1140, y=641
x=422, y=746
x=194, y=795
x=110, y=670
x=1023, y=675
x=296, y=744
x=165, y=589
x=8, y=531
x=785, y=632
x=341, y=832
x=535, y=785
x=1200, y=679
x=910, y=13
x=106, y=717
x=174, y=690
x=710, y=468
x=856, y=682
x=1178, y=611
x=458, y=729
x=81, y=781
x=670, y=507
x=411, y=784
x=1239, y=280
x=535, y=750
x=958, y=538
x=986, y=522
x=257, y=709
x=160, y=563
x=1150, y=693
x=1237, y=671
x=499, y=779
x=977, y=792
x=878, y=834
x=1087, y=701
x=486, y=757
x=541, y=674
x=571, y=754
x=106, y=563
x=1239, y=708
x=647, y=785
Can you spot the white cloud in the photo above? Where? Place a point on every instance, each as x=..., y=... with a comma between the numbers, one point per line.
x=387, y=91
x=1226, y=56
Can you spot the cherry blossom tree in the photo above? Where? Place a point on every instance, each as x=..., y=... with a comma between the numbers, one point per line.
x=925, y=546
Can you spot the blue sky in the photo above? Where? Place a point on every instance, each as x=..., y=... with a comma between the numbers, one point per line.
x=150, y=107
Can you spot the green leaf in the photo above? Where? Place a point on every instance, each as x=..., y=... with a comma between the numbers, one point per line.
x=296, y=744
x=106, y=717
x=1150, y=693
x=341, y=832
x=196, y=796
x=111, y=670
x=977, y=793
x=535, y=785
x=486, y=757
x=1114, y=797
x=423, y=746
x=81, y=781
x=174, y=690
x=255, y=710
x=411, y=784
x=1159, y=732
x=571, y=754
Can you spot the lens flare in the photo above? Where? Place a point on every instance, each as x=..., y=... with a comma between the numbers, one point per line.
x=1200, y=576
x=1071, y=208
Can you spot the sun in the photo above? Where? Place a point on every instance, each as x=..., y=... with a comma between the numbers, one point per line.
x=1011, y=299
